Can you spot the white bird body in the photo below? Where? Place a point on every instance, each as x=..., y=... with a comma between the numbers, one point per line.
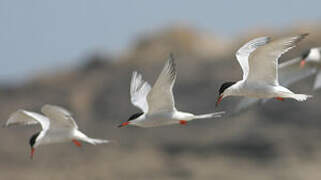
x=259, y=61
x=260, y=90
x=292, y=71
x=161, y=119
x=55, y=136
x=58, y=126
x=62, y=135
x=313, y=58
x=158, y=103
x=314, y=55
x=169, y=118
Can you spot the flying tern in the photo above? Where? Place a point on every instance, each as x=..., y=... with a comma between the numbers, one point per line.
x=57, y=126
x=259, y=62
x=157, y=102
x=290, y=72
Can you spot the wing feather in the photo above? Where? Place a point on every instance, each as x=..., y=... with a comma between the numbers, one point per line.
x=60, y=117
x=161, y=96
x=23, y=117
x=317, y=81
x=290, y=71
x=263, y=62
x=139, y=90
x=244, y=104
x=242, y=55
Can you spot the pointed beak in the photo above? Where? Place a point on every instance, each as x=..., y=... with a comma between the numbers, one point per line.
x=219, y=99
x=123, y=124
x=32, y=152
x=302, y=63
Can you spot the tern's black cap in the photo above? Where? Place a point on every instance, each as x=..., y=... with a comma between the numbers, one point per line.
x=224, y=86
x=305, y=54
x=33, y=138
x=135, y=116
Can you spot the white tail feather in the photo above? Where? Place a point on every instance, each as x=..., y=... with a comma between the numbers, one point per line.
x=300, y=97
x=81, y=136
x=96, y=141
x=210, y=115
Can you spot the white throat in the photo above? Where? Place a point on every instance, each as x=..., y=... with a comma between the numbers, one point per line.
x=314, y=55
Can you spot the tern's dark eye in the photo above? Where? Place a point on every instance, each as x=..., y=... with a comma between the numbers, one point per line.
x=224, y=86
x=135, y=116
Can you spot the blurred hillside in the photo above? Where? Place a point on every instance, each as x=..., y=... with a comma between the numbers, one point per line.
x=280, y=140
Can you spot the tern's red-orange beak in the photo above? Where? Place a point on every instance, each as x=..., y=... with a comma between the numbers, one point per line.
x=123, y=124
x=219, y=99
x=32, y=152
x=302, y=63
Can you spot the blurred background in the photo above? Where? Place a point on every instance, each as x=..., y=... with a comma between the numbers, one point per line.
x=80, y=54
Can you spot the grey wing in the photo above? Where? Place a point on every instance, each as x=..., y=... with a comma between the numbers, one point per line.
x=290, y=72
x=161, y=96
x=244, y=104
x=263, y=63
x=60, y=117
x=139, y=90
x=23, y=117
x=242, y=55
x=317, y=81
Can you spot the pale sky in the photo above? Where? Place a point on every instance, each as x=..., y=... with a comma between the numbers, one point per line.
x=38, y=34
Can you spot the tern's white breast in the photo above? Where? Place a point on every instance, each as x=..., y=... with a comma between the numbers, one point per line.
x=314, y=55
x=258, y=90
x=158, y=119
x=57, y=136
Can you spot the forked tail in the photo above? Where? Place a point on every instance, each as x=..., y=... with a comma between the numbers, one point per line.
x=83, y=137
x=300, y=97
x=210, y=115
x=96, y=141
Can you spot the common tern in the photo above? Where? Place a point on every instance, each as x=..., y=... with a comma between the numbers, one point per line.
x=157, y=102
x=290, y=72
x=57, y=126
x=259, y=62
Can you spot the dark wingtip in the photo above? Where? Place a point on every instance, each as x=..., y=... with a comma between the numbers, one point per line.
x=305, y=34
x=172, y=59
x=171, y=55
x=302, y=36
x=172, y=66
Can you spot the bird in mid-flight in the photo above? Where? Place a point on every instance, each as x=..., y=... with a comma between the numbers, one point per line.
x=57, y=126
x=157, y=102
x=259, y=62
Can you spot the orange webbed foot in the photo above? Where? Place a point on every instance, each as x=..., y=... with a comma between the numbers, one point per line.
x=76, y=142
x=280, y=98
x=183, y=122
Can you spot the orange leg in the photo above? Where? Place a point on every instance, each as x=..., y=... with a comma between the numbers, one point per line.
x=279, y=98
x=183, y=122
x=77, y=143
